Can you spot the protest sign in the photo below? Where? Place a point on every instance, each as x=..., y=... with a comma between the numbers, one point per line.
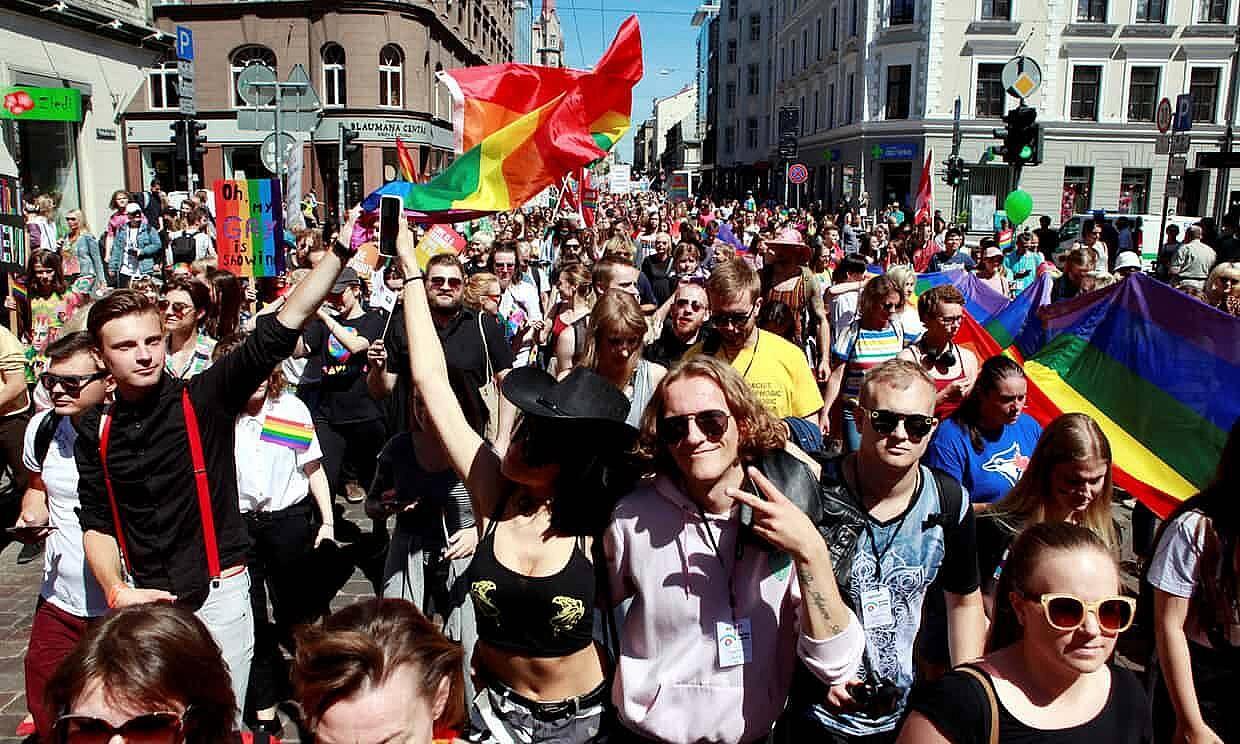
x=250, y=227
x=438, y=239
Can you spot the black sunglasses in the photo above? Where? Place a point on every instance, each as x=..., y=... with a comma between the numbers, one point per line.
x=72, y=384
x=733, y=319
x=713, y=424
x=694, y=304
x=149, y=728
x=916, y=424
x=453, y=282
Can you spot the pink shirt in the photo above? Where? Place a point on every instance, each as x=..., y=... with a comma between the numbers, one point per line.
x=669, y=684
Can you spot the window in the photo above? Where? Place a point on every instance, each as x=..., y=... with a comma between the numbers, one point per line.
x=996, y=10
x=901, y=12
x=729, y=95
x=1134, y=191
x=1077, y=190
x=732, y=9
x=848, y=102
x=770, y=71
x=783, y=63
x=1151, y=11
x=830, y=105
x=792, y=60
x=731, y=53
x=1086, y=82
x=835, y=28
x=163, y=87
x=752, y=79
x=1093, y=11
x=1143, y=93
x=818, y=38
x=852, y=18
x=805, y=48
x=243, y=57
x=1203, y=86
x=391, y=84
x=815, y=111
x=729, y=138
x=899, y=80
x=333, y=75
x=755, y=27
x=990, y=95
x=801, y=113
x=1213, y=11
x=751, y=133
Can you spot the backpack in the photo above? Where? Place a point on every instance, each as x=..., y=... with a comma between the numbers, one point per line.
x=184, y=248
x=44, y=435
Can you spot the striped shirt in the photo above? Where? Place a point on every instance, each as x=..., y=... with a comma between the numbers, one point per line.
x=862, y=349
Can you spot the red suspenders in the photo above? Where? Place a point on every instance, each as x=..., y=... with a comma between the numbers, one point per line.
x=200, y=485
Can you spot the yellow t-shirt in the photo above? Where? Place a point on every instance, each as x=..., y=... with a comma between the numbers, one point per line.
x=778, y=374
x=13, y=362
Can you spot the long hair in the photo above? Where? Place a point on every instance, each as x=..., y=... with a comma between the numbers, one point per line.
x=760, y=432
x=45, y=259
x=83, y=227
x=224, y=318
x=993, y=371
x=1073, y=437
x=1027, y=553
x=152, y=657
x=616, y=313
x=875, y=292
x=1218, y=586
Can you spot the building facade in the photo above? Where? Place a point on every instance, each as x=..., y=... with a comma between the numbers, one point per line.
x=875, y=84
x=679, y=108
x=643, y=135
x=372, y=68
x=706, y=20
x=522, y=32
x=548, y=38
x=743, y=109
x=101, y=51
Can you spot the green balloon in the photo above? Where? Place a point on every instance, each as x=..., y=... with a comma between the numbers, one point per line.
x=1018, y=205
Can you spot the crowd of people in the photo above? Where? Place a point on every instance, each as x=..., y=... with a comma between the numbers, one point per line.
x=684, y=472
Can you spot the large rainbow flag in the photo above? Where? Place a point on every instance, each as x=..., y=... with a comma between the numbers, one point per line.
x=520, y=128
x=980, y=299
x=1155, y=368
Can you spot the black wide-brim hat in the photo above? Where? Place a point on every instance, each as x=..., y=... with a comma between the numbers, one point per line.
x=583, y=397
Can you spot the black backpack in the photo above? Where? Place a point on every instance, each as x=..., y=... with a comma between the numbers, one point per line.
x=44, y=434
x=184, y=248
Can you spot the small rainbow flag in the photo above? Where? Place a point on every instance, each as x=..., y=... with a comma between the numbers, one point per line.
x=407, y=169
x=291, y=434
x=1005, y=241
x=17, y=285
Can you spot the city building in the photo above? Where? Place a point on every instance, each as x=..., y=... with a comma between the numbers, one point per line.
x=643, y=140
x=875, y=85
x=679, y=108
x=706, y=20
x=522, y=32
x=548, y=38
x=371, y=69
x=95, y=54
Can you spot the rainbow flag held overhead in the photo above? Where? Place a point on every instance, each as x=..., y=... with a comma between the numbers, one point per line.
x=980, y=299
x=292, y=434
x=520, y=128
x=408, y=170
x=1006, y=243
x=1017, y=328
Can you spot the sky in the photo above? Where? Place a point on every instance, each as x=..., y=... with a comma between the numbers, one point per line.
x=669, y=46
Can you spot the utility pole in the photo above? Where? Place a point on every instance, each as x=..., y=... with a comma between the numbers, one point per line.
x=1222, y=183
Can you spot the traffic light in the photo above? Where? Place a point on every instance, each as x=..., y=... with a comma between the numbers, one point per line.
x=954, y=174
x=345, y=144
x=197, y=140
x=1022, y=137
x=178, y=136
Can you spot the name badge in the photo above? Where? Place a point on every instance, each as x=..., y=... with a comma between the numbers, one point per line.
x=876, y=608
x=735, y=642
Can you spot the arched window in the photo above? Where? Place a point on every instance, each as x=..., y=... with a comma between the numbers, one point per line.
x=243, y=57
x=333, y=75
x=391, y=76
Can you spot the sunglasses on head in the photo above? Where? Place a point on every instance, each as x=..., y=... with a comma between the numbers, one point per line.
x=696, y=306
x=917, y=425
x=453, y=282
x=713, y=424
x=178, y=308
x=71, y=384
x=1067, y=612
x=148, y=728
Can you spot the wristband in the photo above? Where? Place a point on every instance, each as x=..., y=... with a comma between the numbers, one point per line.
x=418, y=278
x=345, y=252
x=115, y=590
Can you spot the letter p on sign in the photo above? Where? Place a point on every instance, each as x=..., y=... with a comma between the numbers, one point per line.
x=185, y=44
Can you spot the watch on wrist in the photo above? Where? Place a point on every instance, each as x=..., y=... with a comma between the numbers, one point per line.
x=344, y=251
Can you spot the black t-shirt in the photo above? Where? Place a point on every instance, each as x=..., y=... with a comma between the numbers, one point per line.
x=958, y=706
x=343, y=397
x=994, y=537
x=656, y=271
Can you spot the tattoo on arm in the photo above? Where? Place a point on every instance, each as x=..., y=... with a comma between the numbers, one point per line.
x=817, y=599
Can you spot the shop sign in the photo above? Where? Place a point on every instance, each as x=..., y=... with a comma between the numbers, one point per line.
x=382, y=129
x=894, y=151
x=105, y=133
x=42, y=104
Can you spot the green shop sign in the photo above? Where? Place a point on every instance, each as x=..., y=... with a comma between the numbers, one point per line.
x=41, y=104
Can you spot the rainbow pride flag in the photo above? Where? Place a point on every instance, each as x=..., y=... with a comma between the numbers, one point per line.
x=980, y=299
x=408, y=170
x=521, y=128
x=292, y=434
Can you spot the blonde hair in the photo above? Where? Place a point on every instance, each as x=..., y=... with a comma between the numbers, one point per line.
x=1081, y=255
x=731, y=278
x=615, y=313
x=759, y=431
x=901, y=274
x=1214, y=292
x=83, y=226
x=578, y=274
x=1073, y=437
x=476, y=288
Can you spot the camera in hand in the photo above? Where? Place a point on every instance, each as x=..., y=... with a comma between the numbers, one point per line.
x=877, y=698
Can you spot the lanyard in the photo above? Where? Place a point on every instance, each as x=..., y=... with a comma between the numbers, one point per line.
x=710, y=537
x=879, y=555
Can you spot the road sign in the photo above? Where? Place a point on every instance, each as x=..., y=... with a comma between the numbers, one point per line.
x=264, y=120
x=268, y=149
x=1183, y=120
x=1218, y=159
x=185, y=43
x=185, y=87
x=1176, y=166
x=1175, y=189
x=798, y=173
x=299, y=99
x=1162, y=117
x=252, y=85
x=1180, y=144
x=1162, y=144
x=1021, y=76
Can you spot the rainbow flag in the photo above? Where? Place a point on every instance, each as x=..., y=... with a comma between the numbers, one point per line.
x=1017, y=328
x=1155, y=368
x=980, y=299
x=1006, y=242
x=249, y=216
x=521, y=128
x=292, y=434
x=408, y=170
x=17, y=286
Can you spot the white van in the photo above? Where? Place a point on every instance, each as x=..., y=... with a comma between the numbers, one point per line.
x=1144, y=231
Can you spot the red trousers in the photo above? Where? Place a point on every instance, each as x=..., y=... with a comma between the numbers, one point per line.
x=53, y=635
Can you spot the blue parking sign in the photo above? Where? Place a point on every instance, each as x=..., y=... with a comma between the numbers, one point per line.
x=1183, y=119
x=185, y=44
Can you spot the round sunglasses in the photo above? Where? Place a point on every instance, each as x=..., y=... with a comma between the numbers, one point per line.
x=712, y=423
x=1067, y=612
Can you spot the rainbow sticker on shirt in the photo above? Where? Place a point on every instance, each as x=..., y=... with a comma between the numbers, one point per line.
x=292, y=434
x=336, y=349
